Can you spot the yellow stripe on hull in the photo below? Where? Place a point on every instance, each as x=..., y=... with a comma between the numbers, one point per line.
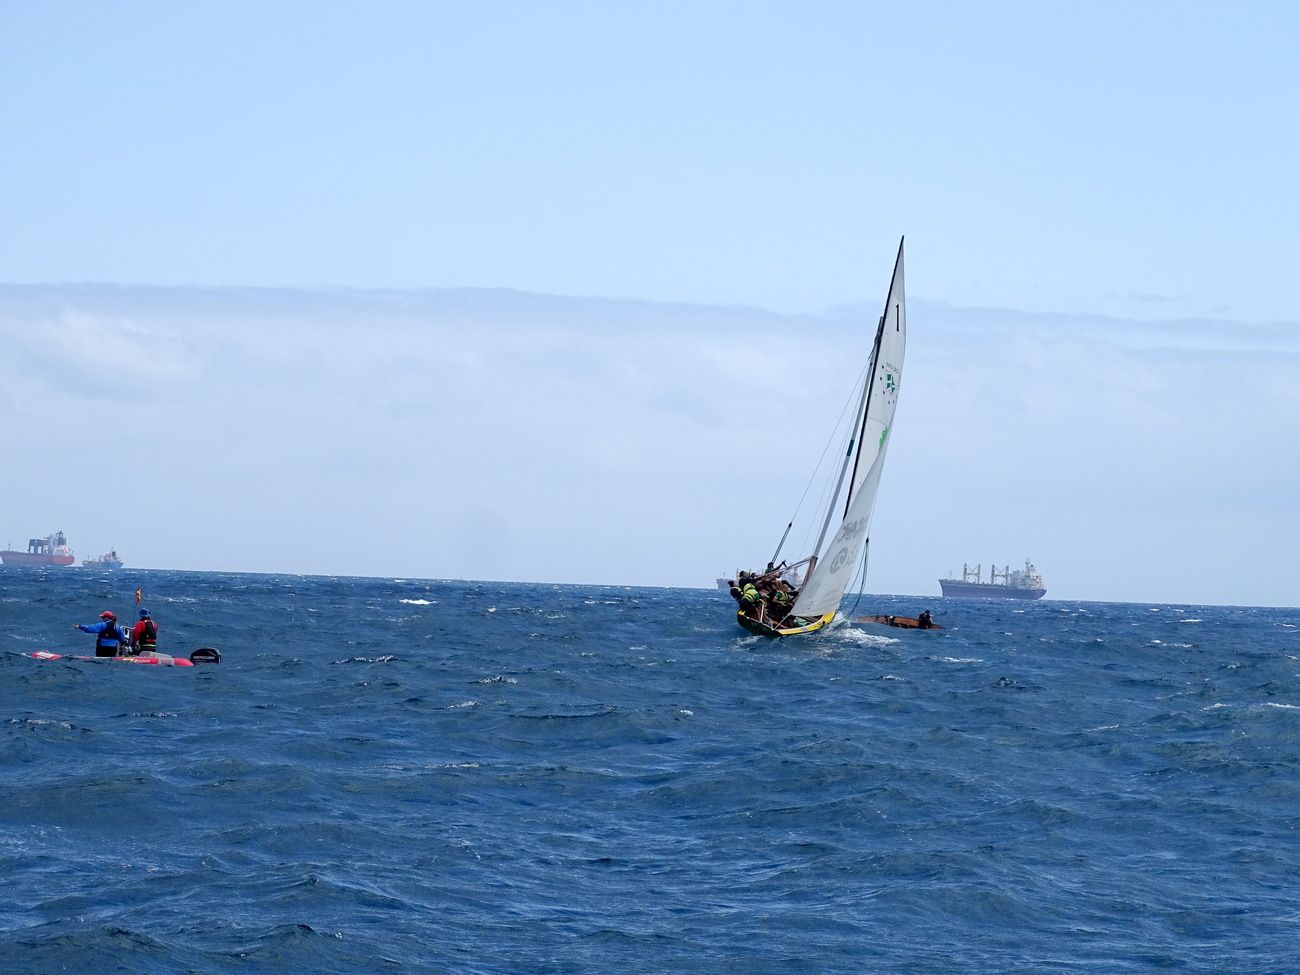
x=762, y=629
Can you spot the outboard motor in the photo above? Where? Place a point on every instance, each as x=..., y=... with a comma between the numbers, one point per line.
x=206, y=655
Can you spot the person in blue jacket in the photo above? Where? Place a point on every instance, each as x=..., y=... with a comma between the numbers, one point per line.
x=109, y=637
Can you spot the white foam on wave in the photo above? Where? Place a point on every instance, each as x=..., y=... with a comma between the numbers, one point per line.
x=40, y=721
x=961, y=660
x=418, y=602
x=854, y=635
x=1286, y=707
x=1191, y=621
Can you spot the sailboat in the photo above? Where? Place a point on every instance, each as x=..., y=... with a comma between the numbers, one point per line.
x=830, y=571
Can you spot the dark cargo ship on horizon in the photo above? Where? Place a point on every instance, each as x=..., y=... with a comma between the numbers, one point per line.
x=1023, y=583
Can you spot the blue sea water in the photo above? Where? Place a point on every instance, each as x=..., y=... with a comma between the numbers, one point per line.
x=416, y=776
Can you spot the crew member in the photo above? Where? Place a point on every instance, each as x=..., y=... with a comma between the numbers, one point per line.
x=924, y=621
x=145, y=634
x=780, y=603
x=109, y=637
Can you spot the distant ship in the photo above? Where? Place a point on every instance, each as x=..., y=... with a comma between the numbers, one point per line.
x=108, y=560
x=51, y=550
x=1021, y=584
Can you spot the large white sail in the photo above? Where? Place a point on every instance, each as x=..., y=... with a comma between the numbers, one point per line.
x=833, y=572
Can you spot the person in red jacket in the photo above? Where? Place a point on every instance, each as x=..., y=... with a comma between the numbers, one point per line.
x=145, y=634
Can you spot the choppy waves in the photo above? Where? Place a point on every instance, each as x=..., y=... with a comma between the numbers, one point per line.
x=410, y=776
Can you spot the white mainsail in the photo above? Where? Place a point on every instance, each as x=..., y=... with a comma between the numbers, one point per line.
x=831, y=575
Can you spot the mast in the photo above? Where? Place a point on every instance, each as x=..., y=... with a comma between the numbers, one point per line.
x=875, y=361
x=862, y=430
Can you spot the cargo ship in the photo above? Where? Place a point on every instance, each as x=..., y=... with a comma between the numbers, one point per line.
x=51, y=550
x=108, y=560
x=1023, y=583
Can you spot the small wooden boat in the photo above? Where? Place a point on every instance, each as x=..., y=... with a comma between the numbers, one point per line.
x=906, y=622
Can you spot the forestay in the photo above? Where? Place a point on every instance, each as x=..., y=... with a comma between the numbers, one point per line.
x=831, y=575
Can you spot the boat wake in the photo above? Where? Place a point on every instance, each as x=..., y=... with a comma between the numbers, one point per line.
x=848, y=633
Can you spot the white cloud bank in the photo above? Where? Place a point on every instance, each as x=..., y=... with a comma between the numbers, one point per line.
x=501, y=435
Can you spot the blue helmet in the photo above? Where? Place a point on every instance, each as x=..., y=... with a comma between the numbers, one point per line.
x=144, y=614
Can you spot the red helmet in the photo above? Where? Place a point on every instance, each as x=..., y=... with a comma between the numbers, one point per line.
x=106, y=615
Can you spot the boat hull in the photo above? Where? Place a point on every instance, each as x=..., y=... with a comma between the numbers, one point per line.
x=983, y=590
x=27, y=558
x=763, y=629
x=156, y=659
x=203, y=655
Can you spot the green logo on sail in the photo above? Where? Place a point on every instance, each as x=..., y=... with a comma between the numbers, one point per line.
x=883, y=434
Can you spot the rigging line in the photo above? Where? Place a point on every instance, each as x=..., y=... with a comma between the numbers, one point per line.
x=834, y=436
x=862, y=579
x=823, y=502
x=829, y=441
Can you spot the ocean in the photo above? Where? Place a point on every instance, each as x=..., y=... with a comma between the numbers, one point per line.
x=471, y=777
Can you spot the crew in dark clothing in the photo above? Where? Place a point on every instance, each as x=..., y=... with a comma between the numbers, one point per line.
x=109, y=637
x=924, y=621
x=780, y=603
x=145, y=634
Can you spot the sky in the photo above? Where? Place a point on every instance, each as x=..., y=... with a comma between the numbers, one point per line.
x=574, y=292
